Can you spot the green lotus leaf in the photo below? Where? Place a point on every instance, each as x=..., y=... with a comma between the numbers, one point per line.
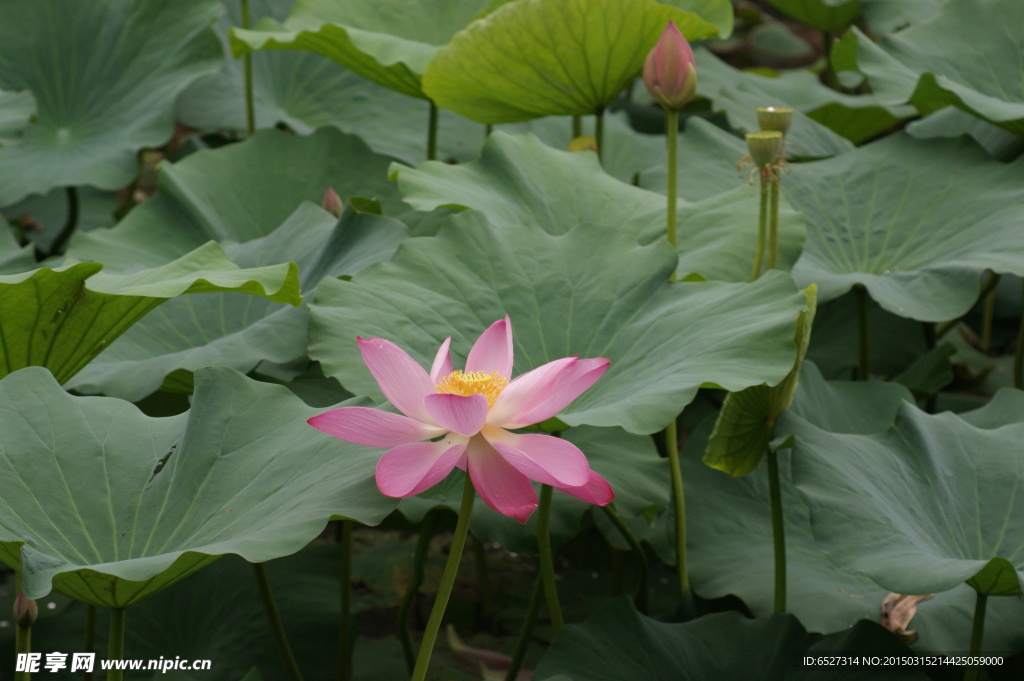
x=107, y=505
x=187, y=333
x=951, y=122
x=533, y=58
x=964, y=57
x=747, y=421
x=664, y=339
x=16, y=108
x=916, y=222
x=387, y=41
x=884, y=16
x=717, y=12
x=725, y=646
x=46, y=215
x=108, y=90
x=920, y=507
x=62, y=318
x=519, y=180
x=824, y=15
x=239, y=192
x=730, y=533
x=14, y=258
x=305, y=91
x=719, y=153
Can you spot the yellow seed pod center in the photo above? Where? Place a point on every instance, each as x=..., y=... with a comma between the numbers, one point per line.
x=473, y=383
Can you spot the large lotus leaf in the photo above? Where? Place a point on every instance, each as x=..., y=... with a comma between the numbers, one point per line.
x=731, y=537
x=664, y=339
x=724, y=646
x=107, y=91
x=239, y=192
x=45, y=216
x=965, y=57
x=388, y=41
x=107, y=505
x=717, y=12
x=951, y=122
x=885, y=16
x=190, y=332
x=916, y=222
x=16, y=108
x=519, y=180
x=533, y=58
x=62, y=318
x=630, y=463
x=747, y=421
x=305, y=92
x=824, y=15
x=719, y=154
x=739, y=93
x=920, y=507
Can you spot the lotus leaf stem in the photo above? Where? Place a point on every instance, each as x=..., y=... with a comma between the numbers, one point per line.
x=679, y=504
x=778, y=530
x=274, y=617
x=863, y=341
x=115, y=644
x=977, y=635
x=1018, y=357
x=432, y=133
x=640, y=595
x=89, y=642
x=988, y=312
x=70, y=222
x=250, y=109
x=577, y=126
x=444, y=591
x=599, y=132
x=524, y=634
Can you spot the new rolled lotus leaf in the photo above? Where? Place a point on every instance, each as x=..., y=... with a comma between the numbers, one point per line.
x=104, y=76
x=107, y=505
x=62, y=318
x=533, y=58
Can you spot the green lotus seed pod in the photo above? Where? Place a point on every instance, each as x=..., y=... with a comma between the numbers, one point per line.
x=765, y=147
x=775, y=118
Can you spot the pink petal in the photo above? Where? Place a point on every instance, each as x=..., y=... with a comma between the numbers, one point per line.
x=442, y=362
x=401, y=379
x=597, y=491
x=463, y=414
x=413, y=467
x=501, y=486
x=568, y=385
x=527, y=391
x=493, y=350
x=373, y=427
x=546, y=459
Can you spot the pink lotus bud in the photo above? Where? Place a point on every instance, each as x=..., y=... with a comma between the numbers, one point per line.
x=670, y=72
x=332, y=202
x=25, y=610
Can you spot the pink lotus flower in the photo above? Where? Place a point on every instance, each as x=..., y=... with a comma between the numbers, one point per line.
x=670, y=72
x=463, y=419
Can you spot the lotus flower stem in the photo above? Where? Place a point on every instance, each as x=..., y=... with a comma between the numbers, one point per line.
x=432, y=133
x=345, y=638
x=276, y=626
x=599, y=132
x=1018, y=357
x=672, y=146
x=89, y=643
x=250, y=109
x=778, y=530
x=577, y=126
x=547, y=563
x=640, y=594
x=762, y=230
x=115, y=643
x=22, y=645
x=977, y=635
x=524, y=634
x=70, y=222
x=679, y=502
x=444, y=591
x=863, y=341
x=419, y=559
x=773, y=220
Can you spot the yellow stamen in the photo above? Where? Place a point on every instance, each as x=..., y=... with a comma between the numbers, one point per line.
x=473, y=383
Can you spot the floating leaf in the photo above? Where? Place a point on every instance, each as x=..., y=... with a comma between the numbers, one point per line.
x=723, y=646
x=915, y=222
x=187, y=333
x=131, y=504
x=388, y=41
x=533, y=58
x=62, y=318
x=121, y=64
x=664, y=339
x=964, y=56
